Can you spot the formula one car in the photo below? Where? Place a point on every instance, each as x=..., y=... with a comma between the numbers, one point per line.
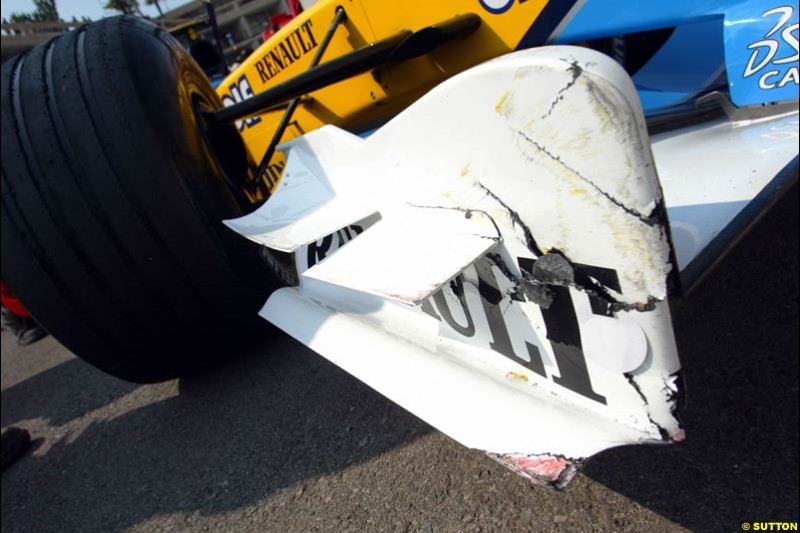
x=480, y=208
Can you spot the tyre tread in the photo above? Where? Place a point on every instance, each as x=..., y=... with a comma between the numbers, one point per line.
x=119, y=261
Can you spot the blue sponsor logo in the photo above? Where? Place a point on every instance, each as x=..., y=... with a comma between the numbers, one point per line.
x=239, y=91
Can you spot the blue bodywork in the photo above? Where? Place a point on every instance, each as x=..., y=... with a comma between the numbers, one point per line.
x=748, y=48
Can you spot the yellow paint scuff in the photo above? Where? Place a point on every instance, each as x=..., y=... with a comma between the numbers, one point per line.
x=517, y=376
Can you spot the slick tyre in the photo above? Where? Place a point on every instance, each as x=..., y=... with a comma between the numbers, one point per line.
x=113, y=193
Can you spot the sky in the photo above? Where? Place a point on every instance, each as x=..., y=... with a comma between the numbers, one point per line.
x=82, y=8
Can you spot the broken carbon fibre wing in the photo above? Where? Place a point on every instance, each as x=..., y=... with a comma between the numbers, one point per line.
x=508, y=282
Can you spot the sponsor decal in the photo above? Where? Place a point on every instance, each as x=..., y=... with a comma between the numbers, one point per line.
x=560, y=320
x=297, y=44
x=489, y=315
x=497, y=6
x=769, y=56
x=317, y=251
x=239, y=91
x=261, y=188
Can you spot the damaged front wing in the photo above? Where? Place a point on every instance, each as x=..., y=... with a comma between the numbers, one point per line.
x=508, y=264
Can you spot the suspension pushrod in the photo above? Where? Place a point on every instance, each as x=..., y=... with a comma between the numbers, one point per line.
x=339, y=18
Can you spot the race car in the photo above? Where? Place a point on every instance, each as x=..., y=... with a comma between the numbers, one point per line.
x=479, y=208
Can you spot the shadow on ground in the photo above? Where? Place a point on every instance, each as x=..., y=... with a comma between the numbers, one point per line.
x=217, y=443
x=44, y=395
x=738, y=339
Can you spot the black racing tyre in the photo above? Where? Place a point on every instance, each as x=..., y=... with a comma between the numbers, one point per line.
x=112, y=202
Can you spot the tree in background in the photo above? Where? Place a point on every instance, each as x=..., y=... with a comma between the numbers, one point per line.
x=45, y=11
x=126, y=7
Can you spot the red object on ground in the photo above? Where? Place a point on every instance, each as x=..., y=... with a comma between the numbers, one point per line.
x=11, y=302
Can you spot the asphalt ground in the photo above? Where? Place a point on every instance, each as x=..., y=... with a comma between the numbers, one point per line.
x=281, y=440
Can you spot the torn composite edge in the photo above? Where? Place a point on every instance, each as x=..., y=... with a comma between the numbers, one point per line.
x=580, y=279
x=549, y=470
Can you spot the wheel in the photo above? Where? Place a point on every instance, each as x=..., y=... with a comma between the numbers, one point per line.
x=113, y=192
